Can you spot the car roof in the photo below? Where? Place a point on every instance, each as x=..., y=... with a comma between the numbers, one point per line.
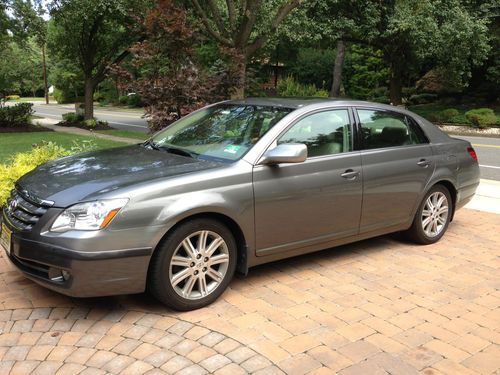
x=299, y=102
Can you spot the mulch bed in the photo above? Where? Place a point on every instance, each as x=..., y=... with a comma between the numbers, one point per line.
x=100, y=126
x=28, y=128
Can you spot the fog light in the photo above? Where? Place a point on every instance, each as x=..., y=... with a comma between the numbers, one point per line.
x=65, y=274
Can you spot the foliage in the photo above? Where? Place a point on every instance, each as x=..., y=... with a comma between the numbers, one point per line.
x=72, y=117
x=313, y=66
x=123, y=100
x=422, y=98
x=67, y=79
x=94, y=34
x=242, y=29
x=17, y=115
x=288, y=87
x=24, y=162
x=482, y=117
x=21, y=69
x=365, y=74
x=446, y=115
x=12, y=97
x=85, y=145
x=172, y=82
x=134, y=100
x=90, y=123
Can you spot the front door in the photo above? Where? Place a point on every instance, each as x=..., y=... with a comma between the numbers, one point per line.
x=316, y=201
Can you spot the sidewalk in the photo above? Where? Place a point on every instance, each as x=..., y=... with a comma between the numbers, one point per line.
x=487, y=197
x=51, y=124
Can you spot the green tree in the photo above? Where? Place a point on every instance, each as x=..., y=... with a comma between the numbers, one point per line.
x=95, y=34
x=243, y=27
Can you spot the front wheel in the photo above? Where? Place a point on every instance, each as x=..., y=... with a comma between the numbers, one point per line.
x=194, y=265
x=432, y=217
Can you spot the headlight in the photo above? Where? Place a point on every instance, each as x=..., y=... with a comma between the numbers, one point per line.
x=88, y=216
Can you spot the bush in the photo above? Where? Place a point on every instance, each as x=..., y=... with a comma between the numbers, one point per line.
x=123, y=100
x=17, y=115
x=446, y=115
x=91, y=123
x=289, y=87
x=63, y=97
x=482, y=117
x=72, y=117
x=24, y=162
x=12, y=97
x=134, y=100
x=422, y=98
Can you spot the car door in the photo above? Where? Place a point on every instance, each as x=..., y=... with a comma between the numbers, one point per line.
x=397, y=164
x=315, y=201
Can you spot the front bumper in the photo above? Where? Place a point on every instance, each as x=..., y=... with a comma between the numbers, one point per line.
x=89, y=274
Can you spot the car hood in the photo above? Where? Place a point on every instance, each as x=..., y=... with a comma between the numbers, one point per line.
x=84, y=176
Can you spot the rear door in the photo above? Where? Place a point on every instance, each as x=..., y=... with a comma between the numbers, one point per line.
x=316, y=201
x=397, y=164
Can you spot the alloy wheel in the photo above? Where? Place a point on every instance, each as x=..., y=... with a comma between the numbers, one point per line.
x=435, y=214
x=199, y=264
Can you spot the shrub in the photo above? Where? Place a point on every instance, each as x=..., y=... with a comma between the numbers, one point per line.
x=17, y=115
x=72, y=117
x=123, y=100
x=289, y=87
x=24, y=162
x=91, y=123
x=12, y=97
x=482, y=117
x=446, y=115
x=422, y=98
x=134, y=100
x=63, y=97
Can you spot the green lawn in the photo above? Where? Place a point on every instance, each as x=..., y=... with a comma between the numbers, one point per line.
x=428, y=110
x=12, y=143
x=124, y=133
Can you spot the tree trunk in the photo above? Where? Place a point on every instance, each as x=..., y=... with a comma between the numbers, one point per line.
x=89, y=98
x=240, y=71
x=396, y=84
x=45, y=84
x=337, y=69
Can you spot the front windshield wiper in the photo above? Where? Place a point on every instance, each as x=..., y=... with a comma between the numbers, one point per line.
x=173, y=150
x=179, y=151
x=152, y=144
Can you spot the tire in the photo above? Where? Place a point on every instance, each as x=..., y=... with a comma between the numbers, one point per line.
x=430, y=224
x=184, y=275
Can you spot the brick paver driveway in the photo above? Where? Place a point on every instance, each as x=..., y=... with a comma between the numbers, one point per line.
x=375, y=307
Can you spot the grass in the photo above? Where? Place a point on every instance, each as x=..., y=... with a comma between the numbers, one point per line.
x=32, y=99
x=429, y=110
x=125, y=134
x=110, y=107
x=12, y=143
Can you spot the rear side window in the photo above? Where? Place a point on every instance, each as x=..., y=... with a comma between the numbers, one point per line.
x=380, y=129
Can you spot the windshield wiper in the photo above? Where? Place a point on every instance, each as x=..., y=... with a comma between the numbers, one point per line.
x=152, y=144
x=179, y=151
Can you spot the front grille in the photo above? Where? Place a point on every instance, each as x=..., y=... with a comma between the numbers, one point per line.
x=24, y=212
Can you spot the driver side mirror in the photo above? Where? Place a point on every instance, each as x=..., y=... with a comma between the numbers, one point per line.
x=285, y=153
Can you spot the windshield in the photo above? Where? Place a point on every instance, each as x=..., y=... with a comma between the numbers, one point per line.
x=222, y=132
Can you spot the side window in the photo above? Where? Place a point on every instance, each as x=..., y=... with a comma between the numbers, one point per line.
x=324, y=133
x=387, y=129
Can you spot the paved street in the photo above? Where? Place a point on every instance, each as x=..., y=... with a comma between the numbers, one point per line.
x=123, y=119
x=375, y=307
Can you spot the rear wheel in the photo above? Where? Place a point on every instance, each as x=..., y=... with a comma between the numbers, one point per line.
x=432, y=217
x=194, y=265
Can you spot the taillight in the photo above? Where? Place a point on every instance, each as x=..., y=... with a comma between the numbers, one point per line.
x=472, y=153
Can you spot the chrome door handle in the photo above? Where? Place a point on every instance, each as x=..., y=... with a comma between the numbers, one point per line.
x=350, y=174
x=424, y=163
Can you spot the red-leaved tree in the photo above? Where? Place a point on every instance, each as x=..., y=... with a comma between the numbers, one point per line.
x=168, y=78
